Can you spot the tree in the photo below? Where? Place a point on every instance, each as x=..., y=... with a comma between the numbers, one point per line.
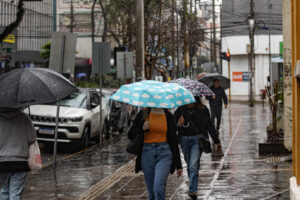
x=45, y=54
x=46, y=50
x=11, y=27
x=119, y=18
x=274, y=94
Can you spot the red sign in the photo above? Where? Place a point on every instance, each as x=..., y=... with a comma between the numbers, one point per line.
x=237, y=76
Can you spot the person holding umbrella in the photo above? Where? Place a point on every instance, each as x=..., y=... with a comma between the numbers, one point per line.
x=216, y=102
x=17, y=133
x=194, y=125
x=21, y=88
x=153, y=133
x=159, y=154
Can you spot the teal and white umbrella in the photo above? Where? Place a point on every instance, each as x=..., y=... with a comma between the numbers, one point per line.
x=154, y=94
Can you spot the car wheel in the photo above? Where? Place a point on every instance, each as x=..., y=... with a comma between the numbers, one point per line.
x=85, y=138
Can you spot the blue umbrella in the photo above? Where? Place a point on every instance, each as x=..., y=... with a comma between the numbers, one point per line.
x=154, y=94
x=80, y=75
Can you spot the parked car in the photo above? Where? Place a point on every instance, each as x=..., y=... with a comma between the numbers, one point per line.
x=78, y=121
x=120, y=115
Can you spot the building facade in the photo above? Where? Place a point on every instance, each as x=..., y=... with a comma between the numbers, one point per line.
x=295, y=31
x=267, y=45
x=34, y=31
x=80, y=19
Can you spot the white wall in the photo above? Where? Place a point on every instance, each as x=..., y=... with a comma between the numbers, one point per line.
x=84, y=47
x=237, y=44
x=240, y=63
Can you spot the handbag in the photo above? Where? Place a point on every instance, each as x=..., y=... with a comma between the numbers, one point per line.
x=34, y=160
x=205, y=145
x=135, y=145
x=204, y=142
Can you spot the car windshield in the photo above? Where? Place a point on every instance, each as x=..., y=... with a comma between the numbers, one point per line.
x=75, y=100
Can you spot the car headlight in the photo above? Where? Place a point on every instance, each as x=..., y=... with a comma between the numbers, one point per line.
x=76, y=119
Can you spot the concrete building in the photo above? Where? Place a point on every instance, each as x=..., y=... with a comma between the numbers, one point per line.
x=82, y=23
x=235, y=37
x=34, y=31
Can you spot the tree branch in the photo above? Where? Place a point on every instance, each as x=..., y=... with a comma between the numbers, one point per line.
x=11, y=27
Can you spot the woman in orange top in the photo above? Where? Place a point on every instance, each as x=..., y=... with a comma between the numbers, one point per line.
x=159, y=153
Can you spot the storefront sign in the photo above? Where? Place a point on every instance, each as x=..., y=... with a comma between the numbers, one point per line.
x=237, y=76
x=241, y=76
x=246, y=76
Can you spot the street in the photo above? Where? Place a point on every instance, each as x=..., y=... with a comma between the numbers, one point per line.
x=236, y=173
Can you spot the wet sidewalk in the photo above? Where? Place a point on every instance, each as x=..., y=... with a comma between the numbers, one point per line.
x=237, y=174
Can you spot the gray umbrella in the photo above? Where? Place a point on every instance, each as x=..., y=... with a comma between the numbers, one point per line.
x=208, y=80
x=28, y=86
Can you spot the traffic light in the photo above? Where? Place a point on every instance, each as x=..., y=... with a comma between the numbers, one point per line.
x=228, y=56
x=225, y=56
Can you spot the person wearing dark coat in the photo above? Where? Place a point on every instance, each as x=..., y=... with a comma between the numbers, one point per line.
x=194, y=124
x=216, y=103
x=17, y=133
x=158, y=153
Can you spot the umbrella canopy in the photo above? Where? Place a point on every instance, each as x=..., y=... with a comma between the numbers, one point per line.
x=28, y=86
x=208, y=79
x=197, y=88
x=80, y=75
x=154, y=94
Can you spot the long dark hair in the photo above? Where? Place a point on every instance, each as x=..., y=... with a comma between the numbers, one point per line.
x=199, y=103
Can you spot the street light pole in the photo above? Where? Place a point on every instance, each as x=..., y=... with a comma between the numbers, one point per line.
x=251, y=21
x=214, y=49
x=72, y=16
x=140, y=40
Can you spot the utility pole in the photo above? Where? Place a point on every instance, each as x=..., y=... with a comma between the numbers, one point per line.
x=173, y=36
x=211, y=44
x=177, y=41
x=140, y=41
x=72, y=16
x=214, y=50
x=229, y=74
x=252, y=59
x=186, y=38
x=93, y=20
x=270, y=46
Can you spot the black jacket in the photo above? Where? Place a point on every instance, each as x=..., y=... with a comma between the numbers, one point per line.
x=199, y=122
x=137, y=128
x=220, y=97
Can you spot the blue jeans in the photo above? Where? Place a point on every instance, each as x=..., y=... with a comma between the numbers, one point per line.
x=191, y=151
x=12, y=185
x=156, y=165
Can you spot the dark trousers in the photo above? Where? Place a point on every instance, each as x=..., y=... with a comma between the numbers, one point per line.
x=216, y=112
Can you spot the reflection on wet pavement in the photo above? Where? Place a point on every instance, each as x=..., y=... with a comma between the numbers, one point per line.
x=237, y=173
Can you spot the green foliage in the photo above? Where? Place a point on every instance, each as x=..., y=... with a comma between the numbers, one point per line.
x=46, y=50
x=107, y=81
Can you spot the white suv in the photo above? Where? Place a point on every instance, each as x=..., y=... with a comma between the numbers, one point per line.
x=79, y=118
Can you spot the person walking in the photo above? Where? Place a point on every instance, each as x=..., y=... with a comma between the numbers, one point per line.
x=216, y=103
x=194, y=124
x=17, y=133
x=158, y=151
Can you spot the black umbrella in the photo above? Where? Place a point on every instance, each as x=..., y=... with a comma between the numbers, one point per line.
x=208, y=79
x=28, y=86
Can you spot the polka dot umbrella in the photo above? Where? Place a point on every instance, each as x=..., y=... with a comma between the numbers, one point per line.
x=197, y=88
x=154, y=94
